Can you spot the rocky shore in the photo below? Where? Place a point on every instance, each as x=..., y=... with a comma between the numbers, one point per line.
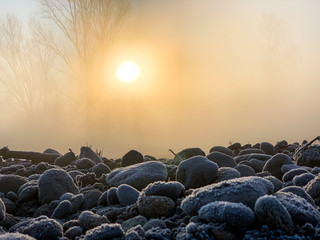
x=261, y=191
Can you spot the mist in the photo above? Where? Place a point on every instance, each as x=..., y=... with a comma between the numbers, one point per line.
x=211, y=72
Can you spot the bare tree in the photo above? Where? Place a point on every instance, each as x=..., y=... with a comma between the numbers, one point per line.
x=25, y=65
x=81, y=34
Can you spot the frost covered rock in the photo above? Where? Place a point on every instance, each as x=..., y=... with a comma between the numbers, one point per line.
x=309, y=157
x=127, y=195
x=222, y=159
x=105, y=231
x=11, y=182
x=173, y=189
x=312, y=188
x=155, y=206
x=274, y=164
x=88, y=220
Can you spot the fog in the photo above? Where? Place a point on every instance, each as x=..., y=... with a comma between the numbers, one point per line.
x=211, y=72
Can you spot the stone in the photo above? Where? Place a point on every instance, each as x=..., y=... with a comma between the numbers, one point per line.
x=88, y=220
x=10, y=206
x=250, y=151
x=90, y=200
x=226, y=173
x=84, y=163
x=303, y=179
x=158, y=233
x=53, y=183
x=132, y=222
x=131, y=157
x=127, y=195
x=155, y=206
x=277, y=184
x=15, y=236
x=299, y=192
x=244, y=170
x=223, y=160
x=222, y=149
x=288, y=176
x=12, y=196
x=105, y=231
x=112, y=197
x=73, y=232
x=87, y=152
x=2, y=210
x=75, y=200
x=65, y=160
x=100, y=169
x=267, y=147
x=247, y=157
x=28, y=193
x=257, y=164
x=11, y=182
x=274, y=164
x=234, y=214
x=173, y=190
x=154, y=223
x=301, y=210
x=281, y=144
x=196, y=172
x=137, y=175
x=312, y=188
x=309, y=157
x=63, y=210
x=245, y=190
x=103, y=199
x=271, y=212
x=186, y=154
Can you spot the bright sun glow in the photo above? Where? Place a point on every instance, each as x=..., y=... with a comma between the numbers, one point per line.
x=128, y=72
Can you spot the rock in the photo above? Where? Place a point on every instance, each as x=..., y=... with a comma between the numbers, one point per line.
x=75, y=200
x=75, y=173
x=53, y=183
x=2, y=210
x=196, y=172
x=173, y=190
x=11, y=182
x=235, y=146
x=12, y=196
x=250, y=151
x=244, y=190
x=65, y=160
x=158, y=233
x=86, y=152
x=90, y=200
x=267, y=147
x=303, y=179
x=277, y=184
x=257, y=164
x=155, y=206
x=15, y=236
x=288, y=176
x=223, y=150
x=186, y=154
x=247, y=157
x=63, y=210
x=131, y=157
x=10, y=207
x=300, y=210
x=244, y=170
x=312, y=188
x=28, y=193
x=103, y=199
x=137, y=175
x=274, y=164
x=105, y=231
x=154, y=223
x=223, y=160
x=309, y=157
x=51, y=151
x=299, y=192
x=34, y=177
x=132, y=222
x=127, y=195
x=271, y=212
x=73, y=232
x=288, y=167
x=315, y=170
x=226, y=173
x=234, y=214
x=112, y=197
x=84, y=163
x=87, y=179
x=41, y=228
x=88, y=220
x=281, y=144
x=100, y=169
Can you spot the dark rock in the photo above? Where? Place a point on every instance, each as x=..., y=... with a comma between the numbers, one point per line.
x=309, y=157
x=277, y=184
x=87, y=179
x=226, y=173
x=9, y=206
x=155, y=206
x=53, y=183
x=244, y=190
x=73, y=232
x=91, y=198
x=28, y=193
x=12, y=196
x=100, y=169
x=84, y=163
x=105, y=231
x=127, y=195
x=244, y=170
x=267, y=147
x=271, y=212
x=299, y=192
x=65, y=160
x=196, y=172
x=186, y=154
x=11, y=183
x=86, y=152
x=222, y=149
x=158, y=233
x=281, y=144
x=263, y=174
x=16, y=236
x=288, y=176
x=303, y=179
x=132, y=222
x=2, y=210
x=103, y=199
x=257, y=164
x=131, y=157
x=75, y=200
x=138, y=175
x=51, y=151
x=63, y=210
x=88, y=220
x=274, y=164
x=312, y=188
x=112, y=197
x=173, y=190
x=247, y=157
x=315, y=170
x=223, y=160
x=154, y=223
x=234, y=214
x=250, y=151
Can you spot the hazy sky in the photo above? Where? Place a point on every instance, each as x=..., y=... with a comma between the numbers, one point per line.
x=209, y=74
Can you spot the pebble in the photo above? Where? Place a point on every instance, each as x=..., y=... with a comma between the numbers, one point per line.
x=222, y=159
x=127, y=195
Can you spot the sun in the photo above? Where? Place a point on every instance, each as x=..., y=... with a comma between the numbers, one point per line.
x=128, y=72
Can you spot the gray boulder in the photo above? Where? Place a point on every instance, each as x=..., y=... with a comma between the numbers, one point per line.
x=63, y=210
x=312, y=188
x=274, y=164
x=309, y=157
x=222, y=149
x=84, y=163
x=11, y=182
x=299, y=192
x=112, y=197
x=100, y=169
x=88, y=220
x=87, y=152
x=132, y=222
x=105, y=231
x=245, y=170
x=271, y=212
x=186, y=154
x=277, y=184
x=196, y=172
x=250, y=151
x=90, y=199
x=75, y=200
x=173, y=190
x=234, y=214
x=127, y=195
x=152, y=223
x=137, y=175
x=223, y=160
x=303, y=179
x=155, y=206
x=288, y=176
x=226, y=173
x=267, y=147
x=244, y=190
x=73, y=232
x=131, y=157
x=53, y=183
